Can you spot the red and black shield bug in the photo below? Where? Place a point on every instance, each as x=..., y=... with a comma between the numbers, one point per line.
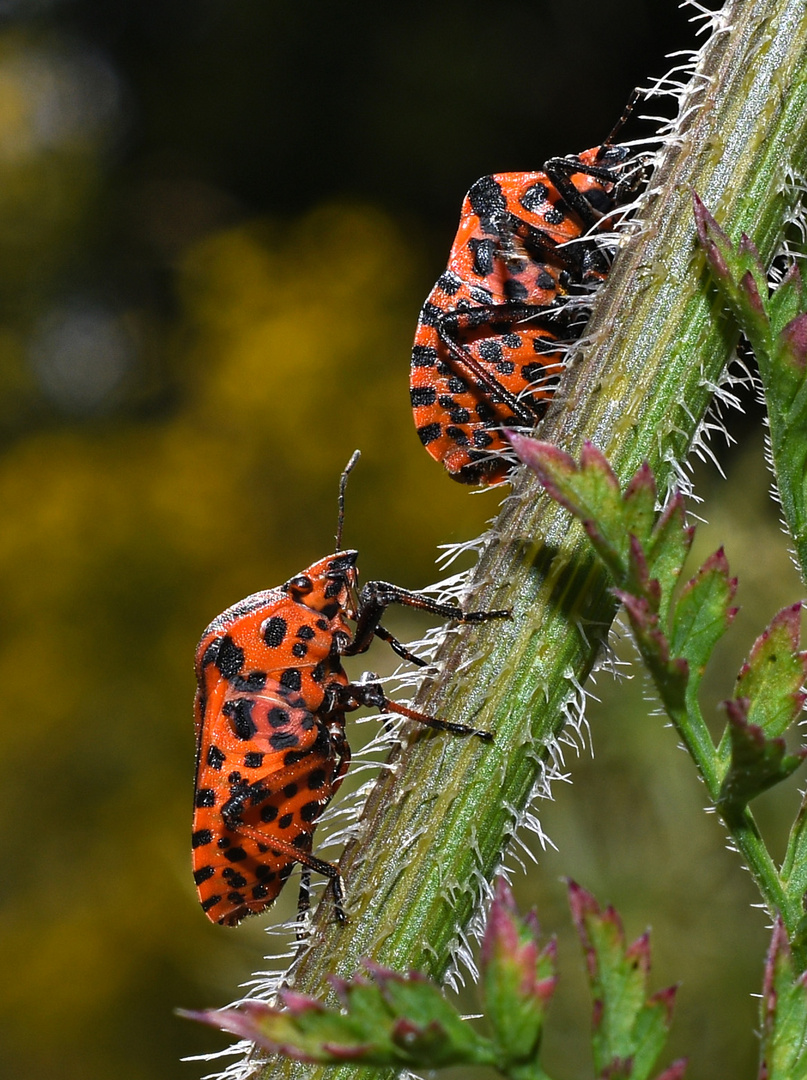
x=270, y=709
x=490, y=339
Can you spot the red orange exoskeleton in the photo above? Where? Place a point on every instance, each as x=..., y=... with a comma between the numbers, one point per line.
x=270, y=726
x=488, y=347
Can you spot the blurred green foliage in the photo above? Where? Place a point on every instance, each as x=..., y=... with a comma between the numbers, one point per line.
x=217, y=223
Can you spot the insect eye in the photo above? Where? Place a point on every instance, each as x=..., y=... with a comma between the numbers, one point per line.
x=300, y=584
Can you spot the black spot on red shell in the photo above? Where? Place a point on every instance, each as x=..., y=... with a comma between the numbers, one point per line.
x=457, y=434
x=310, y=811
x=236, y=854
x=215, y=757
x=205, y=797
x=210, y=653
x=486, y=197
x=285, y=821
x=210, y=902
x=230, y=658
x=268, y=813
x=239, y=712
x=274, y=631
x=201, y=837
x=423, y=356
x=515, y=290
x=291, y=678
x=429, y=432
x=430, y=314
x=290, y=790
x=259, y=892
x=316, y=779
x=282, y=740
x=253, y=760
x=250, y=684
x=544, y=280
x=306, y=633
x=422, y=395
x=204, y=873
x=449, y=282
x=534, y=197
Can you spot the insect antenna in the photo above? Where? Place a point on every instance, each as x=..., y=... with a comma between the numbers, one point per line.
x=342, y=485
x=627, y=112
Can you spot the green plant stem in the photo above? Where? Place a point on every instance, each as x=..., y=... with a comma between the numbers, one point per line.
x=440, y=821
x=743, y=830
x=695, y=736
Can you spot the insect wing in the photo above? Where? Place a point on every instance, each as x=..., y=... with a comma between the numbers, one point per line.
x=266, y=768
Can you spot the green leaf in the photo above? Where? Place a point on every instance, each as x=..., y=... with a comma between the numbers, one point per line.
x=756, y=763
x=589, y=490
x=702, y=614
x=666, y=553
x=518, y=979
x=772, y=676
x=739, y=272
x=788, y=301
x=669, y=673
x=630, y=1028
x=639, y=504
x=394, y=1020
x=776, y=327
x=794, y=866
x=783, y=1052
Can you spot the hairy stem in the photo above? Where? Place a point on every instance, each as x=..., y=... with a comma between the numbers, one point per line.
x=438, y=825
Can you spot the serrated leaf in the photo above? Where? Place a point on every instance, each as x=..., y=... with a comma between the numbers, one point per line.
x=756, y=763
x=787, y=301
x=639, y=504
x=791, y=345
x=629, y=1028
x=772, y=677
x=518, y=979
x=667, y=550
x=702, y=614
x=776, y=327
x=392, y=1020
x=670, y=674
x=783, y=1052
x=739, y=273
x=426, y=1025
x=638, y=581
x=589, y=490
x=794, y=866
x=305, y=1035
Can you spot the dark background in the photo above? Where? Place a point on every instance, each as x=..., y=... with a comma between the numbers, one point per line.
x=217, y=224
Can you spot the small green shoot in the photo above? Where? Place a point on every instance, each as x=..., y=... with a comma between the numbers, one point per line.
x=676, y=630
x=775, y=325
x=397, y=1021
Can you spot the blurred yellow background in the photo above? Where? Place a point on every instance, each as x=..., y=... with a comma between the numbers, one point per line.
x=217, y=224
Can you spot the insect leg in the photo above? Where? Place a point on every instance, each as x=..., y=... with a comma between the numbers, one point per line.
x=376, y=596
x=372, y=695
x=306, y=859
